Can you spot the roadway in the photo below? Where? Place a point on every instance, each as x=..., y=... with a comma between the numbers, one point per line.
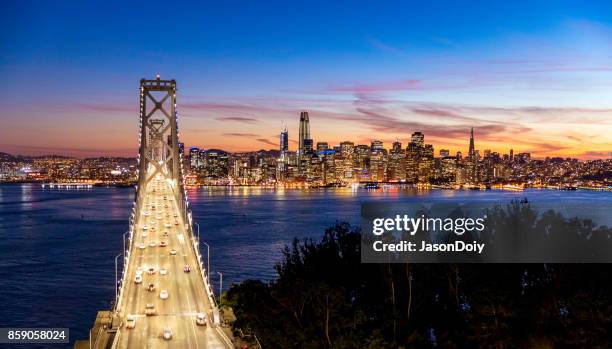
x=160, y=221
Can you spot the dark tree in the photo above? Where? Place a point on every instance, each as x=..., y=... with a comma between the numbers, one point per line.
x=324, y=297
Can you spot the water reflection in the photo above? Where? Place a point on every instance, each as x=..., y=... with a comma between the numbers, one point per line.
x=26, y=196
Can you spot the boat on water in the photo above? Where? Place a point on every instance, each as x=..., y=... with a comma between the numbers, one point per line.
x=371, y=186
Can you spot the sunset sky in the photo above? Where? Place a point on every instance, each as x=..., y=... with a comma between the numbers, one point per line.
x=532, y=76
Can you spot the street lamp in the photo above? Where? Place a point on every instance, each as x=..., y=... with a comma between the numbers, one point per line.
x=197, y=225
x=116, y=280
x=208, y=261
x=220, y=284
x=123, y=251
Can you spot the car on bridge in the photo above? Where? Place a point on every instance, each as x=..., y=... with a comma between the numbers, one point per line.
x=201, y=319
x=142, y=246
x=173, y=252
x=163, y=271
x=167, y=334
x=130, y=321
x=138, y=278
x=150, y=309
x=153, y=244
x=163, y=244
x=186, y=268
x=151, y=288
x=151, y=271
x=163, y=294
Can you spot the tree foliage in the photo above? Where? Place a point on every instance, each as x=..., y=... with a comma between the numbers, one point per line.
x=324, y=297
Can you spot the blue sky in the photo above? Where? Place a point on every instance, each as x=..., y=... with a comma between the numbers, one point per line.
x=537, y=75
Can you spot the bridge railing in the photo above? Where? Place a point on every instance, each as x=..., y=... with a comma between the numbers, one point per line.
x=136, y=209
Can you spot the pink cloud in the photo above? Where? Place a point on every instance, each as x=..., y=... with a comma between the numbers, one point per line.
x=106, y=107
x=240, y=135
x=238, y=119
x=399, y=85
x=268, y=142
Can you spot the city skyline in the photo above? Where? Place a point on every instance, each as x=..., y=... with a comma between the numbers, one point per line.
x=532, y=75
x=284, y=141
x=321, y=165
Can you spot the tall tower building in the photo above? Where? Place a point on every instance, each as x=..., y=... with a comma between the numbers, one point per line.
x=396, y=167
x=281, y=166
x=304, y=130
x=471, y=152
x=284, y=142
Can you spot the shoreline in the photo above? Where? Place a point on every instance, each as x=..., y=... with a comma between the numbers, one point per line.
x=357, y=186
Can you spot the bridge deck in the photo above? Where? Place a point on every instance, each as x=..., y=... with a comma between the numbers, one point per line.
x=187, y=295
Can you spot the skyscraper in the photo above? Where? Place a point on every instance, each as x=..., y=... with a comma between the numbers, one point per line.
x=376, y=145
x=419, y=159
x=281, y=166
x=418, y=138
x=284, y=143
x=396, y=164
x=304, y=131
x=471, y=152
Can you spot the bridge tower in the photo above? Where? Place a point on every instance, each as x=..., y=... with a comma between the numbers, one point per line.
x=159, y=145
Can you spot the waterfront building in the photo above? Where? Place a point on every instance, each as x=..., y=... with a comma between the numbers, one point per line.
x=194, y=158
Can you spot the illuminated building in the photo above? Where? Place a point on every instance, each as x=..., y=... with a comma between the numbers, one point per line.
x=396, y=169
x=194, y=158
x=304, y=132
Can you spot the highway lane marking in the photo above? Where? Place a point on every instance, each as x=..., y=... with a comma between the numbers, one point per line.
x=195, y=336
x=184, y=314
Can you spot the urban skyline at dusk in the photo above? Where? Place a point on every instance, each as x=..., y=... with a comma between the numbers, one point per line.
x=306, y=174
x=529, y=76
